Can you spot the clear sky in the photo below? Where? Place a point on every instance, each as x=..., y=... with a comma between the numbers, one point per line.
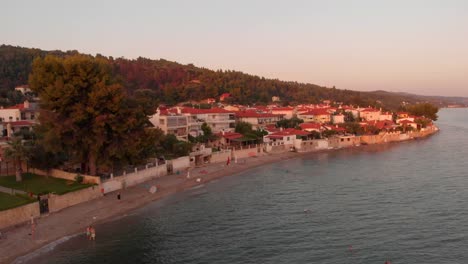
x=417, y=46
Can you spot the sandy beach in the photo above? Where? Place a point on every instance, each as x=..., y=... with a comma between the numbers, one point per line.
x=17, y=241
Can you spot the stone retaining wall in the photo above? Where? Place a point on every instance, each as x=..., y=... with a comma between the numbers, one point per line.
x=18, y=215
x=65, y=175
x=58, y=202
x=220, y=156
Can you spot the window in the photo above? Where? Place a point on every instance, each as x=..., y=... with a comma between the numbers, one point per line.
x=161, y=121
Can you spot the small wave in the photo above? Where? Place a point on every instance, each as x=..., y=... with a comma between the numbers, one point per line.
x=197, y=187
x=45, y=249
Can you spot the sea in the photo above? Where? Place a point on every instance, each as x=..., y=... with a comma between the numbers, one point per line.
x=400, y=202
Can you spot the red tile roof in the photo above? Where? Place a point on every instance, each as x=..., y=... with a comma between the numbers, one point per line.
x=18, y=106
x=310, y=126
x=230, y=135
x=255, y=114
x=405, y=122
x=315, y=112
x=224, y=96
x=382, y=124
x=282, y=109
x=194, y=111
x=370, y=110
x=21, y=123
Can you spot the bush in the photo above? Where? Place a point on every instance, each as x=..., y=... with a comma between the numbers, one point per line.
x=79, y=178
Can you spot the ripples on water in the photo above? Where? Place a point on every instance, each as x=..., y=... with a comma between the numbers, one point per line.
x=405, y=202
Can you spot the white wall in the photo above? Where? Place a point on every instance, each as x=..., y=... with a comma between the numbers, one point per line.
x=180, y=164
x=134, y=178
x=6, y=113
x=220, y=156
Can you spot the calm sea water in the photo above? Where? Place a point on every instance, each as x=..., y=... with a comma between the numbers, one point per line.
x=403, y=202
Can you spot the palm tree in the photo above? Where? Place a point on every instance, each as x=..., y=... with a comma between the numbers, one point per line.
x=18, y=152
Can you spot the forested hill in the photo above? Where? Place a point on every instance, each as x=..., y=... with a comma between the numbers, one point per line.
x=170, y=82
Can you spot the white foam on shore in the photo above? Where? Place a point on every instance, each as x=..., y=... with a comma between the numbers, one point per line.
x=197, y=187
x=45, y=249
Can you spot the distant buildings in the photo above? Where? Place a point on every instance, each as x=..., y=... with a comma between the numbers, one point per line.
x=19, y=117
x=319, y=115
x=342, y=122
x=258, y=120
x=23, y=89
x=182, y=121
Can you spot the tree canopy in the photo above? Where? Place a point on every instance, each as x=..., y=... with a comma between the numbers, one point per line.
x=170, y=82
x=86, y=114
x=289, y=123
x=424, y=109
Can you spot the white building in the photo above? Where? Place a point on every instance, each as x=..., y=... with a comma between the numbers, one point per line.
x=23, y=89
x=217, y=119
x=287, y=112
x=337, y=119
x=171, y=123
x=319, y=115
x=19, y=117
x=258, y=120
x=369, y=114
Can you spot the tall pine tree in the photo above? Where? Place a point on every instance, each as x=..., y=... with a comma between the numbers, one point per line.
x=85, y=113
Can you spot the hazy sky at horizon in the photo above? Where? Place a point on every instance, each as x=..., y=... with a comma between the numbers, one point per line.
x=417, y=46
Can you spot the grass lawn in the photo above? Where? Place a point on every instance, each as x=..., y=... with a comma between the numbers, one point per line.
x=8, y=201
x=40, y=184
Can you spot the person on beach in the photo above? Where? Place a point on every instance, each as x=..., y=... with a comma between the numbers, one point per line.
x=33, y=226
x=93, y=233
x=88, y=232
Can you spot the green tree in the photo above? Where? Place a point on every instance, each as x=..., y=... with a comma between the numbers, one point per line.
x=422, y=122
x=172, y=147
x=246, y=130
x=329, y=133
x=243, y=128
x=206, y=130
x=349, y=117
x=315, y=135
x=45, y=160
x=18, y=152
x=289, y=123
x=424, y=109
x=353, y=128
x=85, y=113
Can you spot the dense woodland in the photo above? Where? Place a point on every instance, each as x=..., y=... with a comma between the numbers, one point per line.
x=162, y=81
x=91, y=106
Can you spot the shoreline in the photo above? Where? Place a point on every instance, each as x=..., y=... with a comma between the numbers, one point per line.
x=73, y=220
